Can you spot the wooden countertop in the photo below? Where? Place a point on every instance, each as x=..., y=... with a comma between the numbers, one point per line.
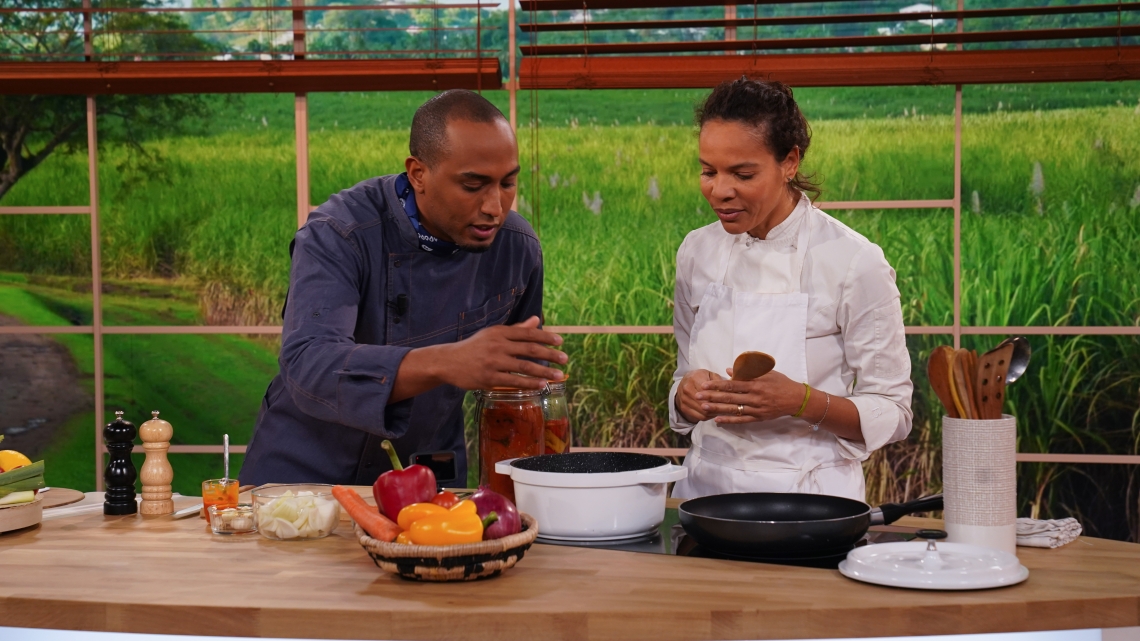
x=158, y=575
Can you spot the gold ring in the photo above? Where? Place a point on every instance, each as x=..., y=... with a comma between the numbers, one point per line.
x=739, y=410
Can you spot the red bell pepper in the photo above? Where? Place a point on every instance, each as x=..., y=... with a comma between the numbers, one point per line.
x=400, y=487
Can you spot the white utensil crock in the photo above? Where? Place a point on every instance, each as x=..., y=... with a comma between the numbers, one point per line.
x=593, y=506
x=979, y=477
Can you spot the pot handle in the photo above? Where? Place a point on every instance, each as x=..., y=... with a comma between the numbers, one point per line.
x=504, y=467
x=663, y=474
x=888, y=513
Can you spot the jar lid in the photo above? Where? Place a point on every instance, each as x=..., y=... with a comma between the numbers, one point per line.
x=556, y=386
x=501, y=393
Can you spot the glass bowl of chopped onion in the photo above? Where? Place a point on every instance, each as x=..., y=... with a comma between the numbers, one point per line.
x=295, y=512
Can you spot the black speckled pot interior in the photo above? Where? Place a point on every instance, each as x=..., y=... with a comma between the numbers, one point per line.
x=590, y=462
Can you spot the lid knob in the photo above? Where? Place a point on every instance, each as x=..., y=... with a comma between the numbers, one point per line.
x=932, y=562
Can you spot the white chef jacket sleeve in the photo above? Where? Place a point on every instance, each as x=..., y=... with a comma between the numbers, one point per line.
x=874, y=344
x=684, y=314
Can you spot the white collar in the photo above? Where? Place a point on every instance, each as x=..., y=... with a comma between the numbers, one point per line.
x=784, y=234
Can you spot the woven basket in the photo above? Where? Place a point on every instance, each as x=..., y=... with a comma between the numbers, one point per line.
x=463, y=562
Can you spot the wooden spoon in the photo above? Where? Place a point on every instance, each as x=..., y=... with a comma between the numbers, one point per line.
x=958, y=406
x=961, y=381
x=992, y=369
x=971, y=376
x=974, y=382
x=752, y=365
x=938, y=371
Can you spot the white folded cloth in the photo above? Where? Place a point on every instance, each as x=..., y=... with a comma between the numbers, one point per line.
x=1047, y=534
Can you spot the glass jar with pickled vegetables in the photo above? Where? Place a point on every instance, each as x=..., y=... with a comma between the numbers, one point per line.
x=556, y=413
x=511, y=425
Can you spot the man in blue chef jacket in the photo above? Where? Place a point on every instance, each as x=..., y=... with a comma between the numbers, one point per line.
x=405, y=291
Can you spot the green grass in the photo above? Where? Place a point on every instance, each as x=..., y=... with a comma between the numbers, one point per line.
x=370, y=111
x=216, y=233
x=205, y=386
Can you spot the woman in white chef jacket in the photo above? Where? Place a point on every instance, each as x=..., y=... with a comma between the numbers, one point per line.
x=777, y=275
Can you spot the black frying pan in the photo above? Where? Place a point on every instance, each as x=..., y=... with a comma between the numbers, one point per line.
x=772, y=524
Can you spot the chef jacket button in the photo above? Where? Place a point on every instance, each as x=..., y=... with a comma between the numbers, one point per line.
x=396, y=320
x=368, y=465
x=397, y=263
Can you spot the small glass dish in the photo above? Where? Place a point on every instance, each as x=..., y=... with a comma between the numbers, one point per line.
x=295, y=512
x=220, y=492
x=232, y=520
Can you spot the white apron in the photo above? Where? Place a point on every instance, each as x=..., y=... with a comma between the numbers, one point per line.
x=780, y=455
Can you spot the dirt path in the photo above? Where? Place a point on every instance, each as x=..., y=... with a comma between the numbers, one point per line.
x=40, y=388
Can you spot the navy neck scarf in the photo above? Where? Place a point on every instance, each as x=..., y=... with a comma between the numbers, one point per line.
x=428, y=242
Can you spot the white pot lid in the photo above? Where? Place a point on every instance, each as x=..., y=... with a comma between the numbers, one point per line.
x=948, y=566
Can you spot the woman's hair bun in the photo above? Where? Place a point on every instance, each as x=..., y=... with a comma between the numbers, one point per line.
x=768, y=106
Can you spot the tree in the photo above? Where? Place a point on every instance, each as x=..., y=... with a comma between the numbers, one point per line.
x=34, y=127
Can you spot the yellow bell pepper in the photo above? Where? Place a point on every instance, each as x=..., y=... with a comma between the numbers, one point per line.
x=402, y=537
x=464, y=507
x=450, y=528
x=417, y=511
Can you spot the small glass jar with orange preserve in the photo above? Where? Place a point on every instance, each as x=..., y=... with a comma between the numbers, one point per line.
x=556, y=412
x=511, y=425
x=220, y=492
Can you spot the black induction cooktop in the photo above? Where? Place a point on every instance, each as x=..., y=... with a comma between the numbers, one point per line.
x=670, y=539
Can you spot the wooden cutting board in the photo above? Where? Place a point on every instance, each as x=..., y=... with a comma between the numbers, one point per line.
x=58, y=496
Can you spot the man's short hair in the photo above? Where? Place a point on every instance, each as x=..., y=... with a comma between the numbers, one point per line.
x=429, y=126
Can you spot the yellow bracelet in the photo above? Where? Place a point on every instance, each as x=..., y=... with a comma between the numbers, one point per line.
x=807, y=395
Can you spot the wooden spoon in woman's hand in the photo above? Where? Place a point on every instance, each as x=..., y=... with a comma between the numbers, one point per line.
x=752, y=365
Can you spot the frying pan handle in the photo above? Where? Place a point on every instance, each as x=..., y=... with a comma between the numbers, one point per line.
x=888, y=513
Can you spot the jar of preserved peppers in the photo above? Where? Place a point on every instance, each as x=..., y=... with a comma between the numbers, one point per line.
x=556, y=412
x=511, y=425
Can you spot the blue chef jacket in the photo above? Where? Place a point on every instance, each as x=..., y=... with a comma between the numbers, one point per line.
x=362, y=294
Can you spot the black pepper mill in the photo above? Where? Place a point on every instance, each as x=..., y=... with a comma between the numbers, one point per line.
x=120, y=475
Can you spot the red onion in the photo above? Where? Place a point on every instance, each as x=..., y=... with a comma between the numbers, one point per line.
x=487, y=501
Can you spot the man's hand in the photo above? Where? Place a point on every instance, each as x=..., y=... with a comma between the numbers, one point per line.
x=493, y=357
x=686, y=401
x=497, y=357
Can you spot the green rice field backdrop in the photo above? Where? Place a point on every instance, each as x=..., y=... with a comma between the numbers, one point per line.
x=1050, y=236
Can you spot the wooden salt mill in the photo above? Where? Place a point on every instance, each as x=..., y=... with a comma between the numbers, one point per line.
x=119, y=475
x=156, y=474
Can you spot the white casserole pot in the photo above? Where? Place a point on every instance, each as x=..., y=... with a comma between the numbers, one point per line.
x=592, y=495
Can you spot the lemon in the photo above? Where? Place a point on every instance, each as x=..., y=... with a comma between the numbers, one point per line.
x=11, y=459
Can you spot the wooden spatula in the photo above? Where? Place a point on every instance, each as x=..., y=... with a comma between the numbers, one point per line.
x=992, y=369
x=938, y=370
x=971, y=377
x=974, y=383
x=962, y=387
x=752, y=365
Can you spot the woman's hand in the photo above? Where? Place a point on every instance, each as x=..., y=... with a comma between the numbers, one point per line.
x=687, y=403
x=734, y=402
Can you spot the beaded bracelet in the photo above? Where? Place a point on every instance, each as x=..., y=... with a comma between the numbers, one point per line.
x=807, y=395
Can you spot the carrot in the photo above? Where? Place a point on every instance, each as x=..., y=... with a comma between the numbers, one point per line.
x=367, y=517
